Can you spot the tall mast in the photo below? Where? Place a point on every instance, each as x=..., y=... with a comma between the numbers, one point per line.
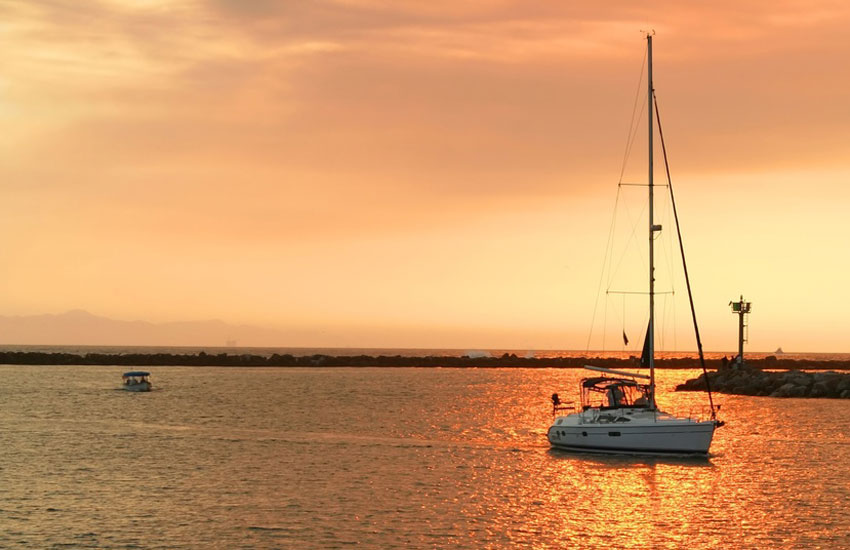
x=652, y=228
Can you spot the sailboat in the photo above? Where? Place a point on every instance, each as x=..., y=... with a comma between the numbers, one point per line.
x=618, y=412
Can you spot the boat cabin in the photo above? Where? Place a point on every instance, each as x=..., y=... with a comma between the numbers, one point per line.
x=135, y=377
x=613, y=393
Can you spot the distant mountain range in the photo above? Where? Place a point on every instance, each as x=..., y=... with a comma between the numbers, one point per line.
x=80, y=327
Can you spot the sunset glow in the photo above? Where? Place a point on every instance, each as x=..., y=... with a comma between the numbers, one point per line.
x=408, y=174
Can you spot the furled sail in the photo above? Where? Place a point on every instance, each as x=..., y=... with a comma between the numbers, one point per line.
x=644, y=355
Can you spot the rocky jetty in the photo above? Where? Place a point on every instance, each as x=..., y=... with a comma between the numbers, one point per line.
x=751, y=380
x=471, y=360
x=203, y=359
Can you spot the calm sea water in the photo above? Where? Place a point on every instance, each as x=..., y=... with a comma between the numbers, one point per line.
x=394, y=458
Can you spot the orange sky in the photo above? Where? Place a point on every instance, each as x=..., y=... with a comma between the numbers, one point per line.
x=376, y=173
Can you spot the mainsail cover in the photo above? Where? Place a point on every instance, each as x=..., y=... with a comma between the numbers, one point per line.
x=644, y=355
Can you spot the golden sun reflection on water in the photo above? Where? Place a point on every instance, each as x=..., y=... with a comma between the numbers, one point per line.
x=397, y=458
x=763, y=485
x=598, y=502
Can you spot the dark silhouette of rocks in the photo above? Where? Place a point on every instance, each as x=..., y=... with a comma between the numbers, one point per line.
x=748, y=379
x=202, y=359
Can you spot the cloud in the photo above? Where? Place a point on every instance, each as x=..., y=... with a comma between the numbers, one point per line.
x=379, y=106
x=203, y=134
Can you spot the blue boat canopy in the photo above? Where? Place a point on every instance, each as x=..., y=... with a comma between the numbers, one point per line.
x=136, y=373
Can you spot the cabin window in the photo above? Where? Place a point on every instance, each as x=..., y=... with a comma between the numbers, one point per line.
x=614, y=434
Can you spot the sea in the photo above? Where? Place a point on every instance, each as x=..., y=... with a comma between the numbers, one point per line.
x=392, y=458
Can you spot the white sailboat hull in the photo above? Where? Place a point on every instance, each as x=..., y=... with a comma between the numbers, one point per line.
x=642, y=433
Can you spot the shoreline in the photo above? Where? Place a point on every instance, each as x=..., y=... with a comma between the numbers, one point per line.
x=203, y=359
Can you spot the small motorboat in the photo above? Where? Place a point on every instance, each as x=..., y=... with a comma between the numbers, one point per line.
x=136, y=381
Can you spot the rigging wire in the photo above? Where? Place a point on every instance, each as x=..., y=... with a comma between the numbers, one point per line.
x=668, y=309
x=633, y=129
x=612, y=270
x=684, y=263
x=625, y=343
x=612, y=274
x=675, y=330
x=605, y=263
x=608, y=259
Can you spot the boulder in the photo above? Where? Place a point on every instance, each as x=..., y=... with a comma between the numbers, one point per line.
x=783, y=391
x=799, y=391
x=819, y=389
x=802, y=379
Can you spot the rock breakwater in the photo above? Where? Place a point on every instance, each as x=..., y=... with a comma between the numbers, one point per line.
x=203, y=359
x=750, y=380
